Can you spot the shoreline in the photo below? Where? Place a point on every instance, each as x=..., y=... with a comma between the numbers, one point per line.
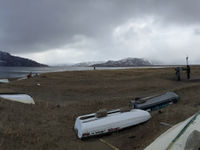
x=21, y=72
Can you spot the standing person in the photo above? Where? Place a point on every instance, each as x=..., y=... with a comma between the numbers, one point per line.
x=188, y=72
x=29, y=75
x=178, y=74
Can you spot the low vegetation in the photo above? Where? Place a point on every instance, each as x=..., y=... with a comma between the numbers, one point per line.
x=61, y=97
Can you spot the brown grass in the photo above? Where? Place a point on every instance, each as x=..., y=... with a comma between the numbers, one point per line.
x=61, y=97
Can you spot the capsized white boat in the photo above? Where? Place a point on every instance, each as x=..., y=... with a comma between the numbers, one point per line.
x=22, y=98
x=4, y=81
x=182, y=136
x=90, y=125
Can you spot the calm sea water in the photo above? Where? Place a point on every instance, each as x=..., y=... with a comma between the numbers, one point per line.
x=18, y=72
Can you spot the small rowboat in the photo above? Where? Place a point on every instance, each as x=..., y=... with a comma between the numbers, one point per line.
x=4, y=81
x=114, y=120
x=17, y=97
x=183, y=136
x=155, y=102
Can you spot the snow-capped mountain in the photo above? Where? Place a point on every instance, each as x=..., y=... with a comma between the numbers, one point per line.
x=128, y=62
x=87, y=64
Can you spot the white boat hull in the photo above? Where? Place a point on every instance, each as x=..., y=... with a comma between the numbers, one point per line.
x=4, y=81
x=22, y=98
x=110, y=123
x=176, y=137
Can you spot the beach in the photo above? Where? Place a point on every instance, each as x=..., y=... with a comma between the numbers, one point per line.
x=60, y=97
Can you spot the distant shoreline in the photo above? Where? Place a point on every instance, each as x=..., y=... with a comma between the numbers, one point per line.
x=19, y=72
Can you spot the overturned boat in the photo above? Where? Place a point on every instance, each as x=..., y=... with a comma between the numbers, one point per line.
x=4, y=81
x=183, y=136
x=106, y=122
x=155, y=102
x=22, y=98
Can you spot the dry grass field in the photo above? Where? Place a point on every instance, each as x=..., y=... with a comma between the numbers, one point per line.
x=63, y=96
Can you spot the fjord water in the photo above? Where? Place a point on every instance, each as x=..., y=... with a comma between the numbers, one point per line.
x=18, y=72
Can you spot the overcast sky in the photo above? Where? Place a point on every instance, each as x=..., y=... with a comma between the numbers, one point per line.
x=70, y=31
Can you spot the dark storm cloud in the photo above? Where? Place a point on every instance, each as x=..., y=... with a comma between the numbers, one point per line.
x=39, y=25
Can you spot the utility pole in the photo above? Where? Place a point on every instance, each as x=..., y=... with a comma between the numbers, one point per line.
x=187, y=60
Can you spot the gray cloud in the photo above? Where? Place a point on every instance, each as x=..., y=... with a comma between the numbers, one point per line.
x=31, y=26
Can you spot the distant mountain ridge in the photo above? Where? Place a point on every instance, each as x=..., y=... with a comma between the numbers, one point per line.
x=9, y=60
x=128, y=62
x=87, y=64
